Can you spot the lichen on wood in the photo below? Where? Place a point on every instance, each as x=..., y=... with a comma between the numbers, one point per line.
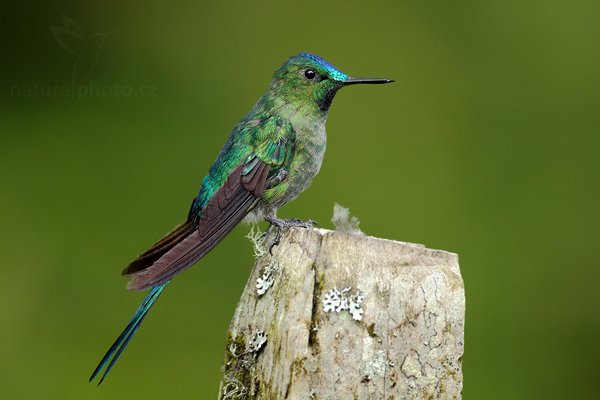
x=408, y=343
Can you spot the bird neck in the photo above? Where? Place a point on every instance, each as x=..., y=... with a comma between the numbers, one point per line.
x=300, y=111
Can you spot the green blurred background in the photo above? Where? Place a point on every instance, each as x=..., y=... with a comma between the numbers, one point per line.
x=486, y=145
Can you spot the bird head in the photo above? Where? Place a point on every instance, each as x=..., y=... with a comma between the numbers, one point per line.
x=308, y=80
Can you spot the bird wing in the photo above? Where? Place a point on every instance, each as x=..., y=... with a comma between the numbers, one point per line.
x=224, y=210
x=158, y=249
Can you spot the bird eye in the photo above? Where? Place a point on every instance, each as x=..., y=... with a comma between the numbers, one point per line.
x=310, y=74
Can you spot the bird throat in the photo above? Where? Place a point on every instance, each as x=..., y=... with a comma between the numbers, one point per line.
x=325, y=103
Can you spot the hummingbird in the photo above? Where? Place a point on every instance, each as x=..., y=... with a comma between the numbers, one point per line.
x=270, y=157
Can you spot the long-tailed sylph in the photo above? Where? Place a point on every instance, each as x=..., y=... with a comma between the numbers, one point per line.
x=270, y=157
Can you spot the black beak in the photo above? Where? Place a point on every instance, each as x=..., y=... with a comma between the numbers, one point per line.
x=373, y=81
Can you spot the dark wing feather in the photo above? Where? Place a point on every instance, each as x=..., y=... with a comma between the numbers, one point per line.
x=158, y=249
x=254, y=181
x=226, y=208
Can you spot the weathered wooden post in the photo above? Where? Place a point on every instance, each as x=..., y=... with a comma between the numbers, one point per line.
x=341, y=315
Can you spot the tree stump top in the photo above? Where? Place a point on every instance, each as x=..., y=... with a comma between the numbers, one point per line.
x=341, y=315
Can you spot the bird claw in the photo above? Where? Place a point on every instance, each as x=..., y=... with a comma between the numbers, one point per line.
x=282, y=224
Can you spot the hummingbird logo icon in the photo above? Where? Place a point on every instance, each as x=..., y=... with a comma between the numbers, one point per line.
x=85, y=47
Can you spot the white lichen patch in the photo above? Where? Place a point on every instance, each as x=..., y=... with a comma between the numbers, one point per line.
x=267, y=279
x=263, y=283
x=233, y=389
x=375, y=366
x=338, y=301
x=343, y=221
x=256, y=237
x=354, y=307
x=332, y=300
x=257, y=341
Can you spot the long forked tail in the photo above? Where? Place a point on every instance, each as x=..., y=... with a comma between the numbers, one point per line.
x=119, y=345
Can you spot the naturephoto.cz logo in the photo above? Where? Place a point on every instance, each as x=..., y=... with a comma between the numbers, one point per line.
x=89, y=89
x=86, y=50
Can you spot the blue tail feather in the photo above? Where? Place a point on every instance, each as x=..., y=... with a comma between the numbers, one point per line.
x=119, y=345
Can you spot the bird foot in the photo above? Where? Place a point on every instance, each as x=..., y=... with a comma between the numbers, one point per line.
x=282, y=224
